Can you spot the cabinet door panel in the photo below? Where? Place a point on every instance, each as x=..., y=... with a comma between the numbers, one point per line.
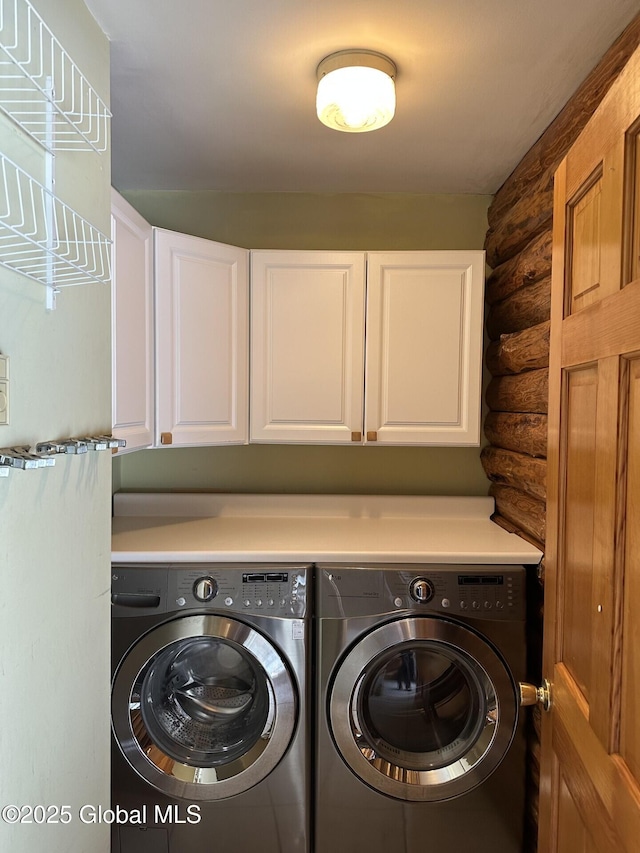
x=202, y=341
x=424, y=347
x=307, y=332
x=132, y=326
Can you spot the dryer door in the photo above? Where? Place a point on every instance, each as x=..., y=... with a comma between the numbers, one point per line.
x=203, y=707
x=423, y=709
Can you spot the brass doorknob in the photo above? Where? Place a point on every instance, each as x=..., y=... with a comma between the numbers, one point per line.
x=532, y=695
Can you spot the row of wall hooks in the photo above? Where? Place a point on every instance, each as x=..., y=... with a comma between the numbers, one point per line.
x=24, y=458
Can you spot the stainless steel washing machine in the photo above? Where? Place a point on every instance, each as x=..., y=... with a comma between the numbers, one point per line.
x=210, y=709
x=419, y=740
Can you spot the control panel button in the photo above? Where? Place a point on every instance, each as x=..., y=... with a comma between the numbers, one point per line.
x=446, y=602
x=421, y=590
x=228, y=601
x=271, y=602
x=247, y=603
x=258, y=602
x=205, y=588
x=181, y=601
x=397, y=602
x=463, y=605
x=475, y=605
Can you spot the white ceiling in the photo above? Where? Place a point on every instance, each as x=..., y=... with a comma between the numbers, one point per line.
x=220, y=94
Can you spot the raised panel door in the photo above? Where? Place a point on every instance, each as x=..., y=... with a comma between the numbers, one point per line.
x=590, y=758
x=131, y=326
x=424, y=347
x=307, y=346
x=202, y=318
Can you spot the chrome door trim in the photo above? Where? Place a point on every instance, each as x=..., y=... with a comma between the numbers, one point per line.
x=461, y=775
x=200, y=783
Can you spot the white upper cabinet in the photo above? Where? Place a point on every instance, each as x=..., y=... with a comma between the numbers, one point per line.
x=132, y=325
x=307, y=346
x=424, y=347
x=202, y=328
x=421, y=381
x=417, y=379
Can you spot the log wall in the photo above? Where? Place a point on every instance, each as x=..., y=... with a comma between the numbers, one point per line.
x=518, y=246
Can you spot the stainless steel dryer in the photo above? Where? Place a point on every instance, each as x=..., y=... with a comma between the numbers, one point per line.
x=209, y=708
x=419, y=741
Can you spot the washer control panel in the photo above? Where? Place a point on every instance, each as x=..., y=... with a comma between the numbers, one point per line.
x=475, y=592
x=257, y=589
x=271, y=592
x=485, y=592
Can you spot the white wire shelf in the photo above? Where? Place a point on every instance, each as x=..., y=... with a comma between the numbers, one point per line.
x=42, y=89
x=43, y=238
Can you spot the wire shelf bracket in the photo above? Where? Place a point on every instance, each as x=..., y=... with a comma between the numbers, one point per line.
x=42, y=89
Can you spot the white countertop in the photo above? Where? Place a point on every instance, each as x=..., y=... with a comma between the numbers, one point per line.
x=174, y=527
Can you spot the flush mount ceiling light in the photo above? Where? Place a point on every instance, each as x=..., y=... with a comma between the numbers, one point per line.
x=356, y=90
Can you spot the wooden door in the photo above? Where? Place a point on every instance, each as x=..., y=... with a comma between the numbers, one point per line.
x=590, y=767
x=423, y=375
x=307, y=346
x=202, y=341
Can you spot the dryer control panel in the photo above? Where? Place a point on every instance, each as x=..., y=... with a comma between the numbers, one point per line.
x=486, y=592
x=268, y=590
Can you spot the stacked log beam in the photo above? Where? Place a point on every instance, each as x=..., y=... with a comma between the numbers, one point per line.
x=519, y=351
x=529, y=306
x=517, y=470
x=524, y=392
x=518, y=293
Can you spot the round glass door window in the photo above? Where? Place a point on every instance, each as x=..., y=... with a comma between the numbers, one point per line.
x=421, y=706
x=203, y=707
x=205, y=701
x=423, y=709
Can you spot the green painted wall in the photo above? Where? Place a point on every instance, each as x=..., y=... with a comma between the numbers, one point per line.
x=339, y=221
x=302, y=468
x=329, y=221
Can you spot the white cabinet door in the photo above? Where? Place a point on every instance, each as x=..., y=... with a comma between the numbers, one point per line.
x=131, y=325
x=424, y=347
x=307, y=346
x=202, y=318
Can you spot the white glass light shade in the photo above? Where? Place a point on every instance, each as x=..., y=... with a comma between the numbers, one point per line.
x=356, y=91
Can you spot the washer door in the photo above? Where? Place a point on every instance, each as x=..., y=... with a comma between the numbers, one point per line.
x=422, y=709
x=203, y=707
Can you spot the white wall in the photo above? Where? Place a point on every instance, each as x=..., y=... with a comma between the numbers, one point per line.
x=55, y=523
